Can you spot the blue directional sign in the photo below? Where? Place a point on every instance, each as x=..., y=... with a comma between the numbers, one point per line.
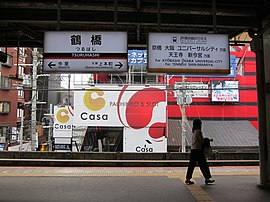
x=137, y=57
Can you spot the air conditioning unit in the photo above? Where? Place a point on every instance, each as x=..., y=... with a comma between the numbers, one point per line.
x=2, y=140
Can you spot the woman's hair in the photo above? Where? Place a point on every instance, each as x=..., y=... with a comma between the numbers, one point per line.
x=197, y=125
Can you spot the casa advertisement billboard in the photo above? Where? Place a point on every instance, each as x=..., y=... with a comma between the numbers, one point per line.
x=63, y=121
x=140, y=110
x=62, y=128
x=186, y=53
x=78, y=52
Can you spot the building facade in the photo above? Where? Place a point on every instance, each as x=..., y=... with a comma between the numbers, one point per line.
x=208, y=108
x=13, y=94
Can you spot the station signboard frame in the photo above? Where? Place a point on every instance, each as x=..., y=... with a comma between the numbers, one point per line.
x=79, y=52
x=186, y=53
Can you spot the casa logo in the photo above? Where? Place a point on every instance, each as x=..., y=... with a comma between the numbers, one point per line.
x=94, y=101
x=63, y=117
x=145, y=148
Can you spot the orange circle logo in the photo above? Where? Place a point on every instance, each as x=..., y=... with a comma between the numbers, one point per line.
x=91, y=103
x=62, y=116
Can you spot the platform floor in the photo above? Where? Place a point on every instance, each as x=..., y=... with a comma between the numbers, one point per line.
x=117, y=184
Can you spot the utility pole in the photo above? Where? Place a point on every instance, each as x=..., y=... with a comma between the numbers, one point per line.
x=69, y=103
x=34, y=140
x=33, y=101
x=181, y=98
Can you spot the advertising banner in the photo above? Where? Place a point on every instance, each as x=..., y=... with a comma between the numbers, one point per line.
x=193, y=89
x=137, y=57
x=225, y=91
x=197, y=90
x=63, y=121
x=144, y=143
x=140, y=110
x=187, y=53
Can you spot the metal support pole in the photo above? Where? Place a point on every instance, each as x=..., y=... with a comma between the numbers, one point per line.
x=34, y=101
x=158, y=15
x=69, y=103
x=183, y=115
x=59, y=4
x=183, y=128
x=21, y=130
x=138, y=32
x=214, y=9
x=138, y=5
x=129, y=75
x=115, y=16
x=257, y=47
x=50, y=129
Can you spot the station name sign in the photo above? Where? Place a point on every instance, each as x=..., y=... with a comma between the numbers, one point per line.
x=188, y=53
x=79, y=52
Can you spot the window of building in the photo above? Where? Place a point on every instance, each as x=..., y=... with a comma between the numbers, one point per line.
x=5, y=82
x=4, y=133
x=20, y=71
x=22, y=54
x=9, y=62
x=19, y=113
x=20, y=91
x=4, y=107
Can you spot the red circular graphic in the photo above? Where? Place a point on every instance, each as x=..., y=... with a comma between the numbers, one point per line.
x=140, y=110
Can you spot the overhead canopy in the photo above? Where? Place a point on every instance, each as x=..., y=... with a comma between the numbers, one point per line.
x=26, y=21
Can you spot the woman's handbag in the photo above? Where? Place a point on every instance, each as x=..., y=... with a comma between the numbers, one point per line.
x=207, y=149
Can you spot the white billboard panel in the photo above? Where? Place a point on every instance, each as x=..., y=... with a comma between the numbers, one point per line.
x=193, y=89
x=63, y=121
x=106, y=105
x=143, y=143
x=197, y=90
x=140, y=110
x=85, y=52
x=97, y=107
x=188, y=53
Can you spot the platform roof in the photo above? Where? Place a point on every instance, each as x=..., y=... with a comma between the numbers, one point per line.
x=239, y=133
x=23, y=23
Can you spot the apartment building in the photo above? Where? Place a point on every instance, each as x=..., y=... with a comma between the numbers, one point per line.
x=13, y=94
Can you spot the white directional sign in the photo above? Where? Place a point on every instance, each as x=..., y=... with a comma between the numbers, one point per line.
x=85, y=52
x=188, y=53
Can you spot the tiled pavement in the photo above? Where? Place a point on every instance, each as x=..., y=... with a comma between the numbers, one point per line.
x=233, y=183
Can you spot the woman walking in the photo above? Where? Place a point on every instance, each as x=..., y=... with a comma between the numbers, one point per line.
x=197, y=155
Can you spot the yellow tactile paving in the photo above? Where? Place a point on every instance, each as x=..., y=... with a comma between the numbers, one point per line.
x=173, y=172
x=199, y=194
